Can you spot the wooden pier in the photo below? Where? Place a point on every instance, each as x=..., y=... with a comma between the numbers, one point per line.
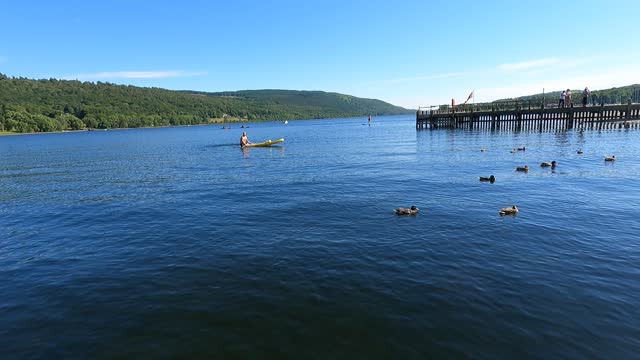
x=525, y=117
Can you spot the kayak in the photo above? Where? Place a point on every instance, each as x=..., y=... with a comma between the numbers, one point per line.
x=266, y=143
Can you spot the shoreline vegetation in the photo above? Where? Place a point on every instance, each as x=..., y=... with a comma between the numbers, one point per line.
x=52, y=105
x=227, y=119
x=10, y=133
x=212, y=121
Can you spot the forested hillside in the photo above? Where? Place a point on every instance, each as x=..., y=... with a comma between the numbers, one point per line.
x=28, y=105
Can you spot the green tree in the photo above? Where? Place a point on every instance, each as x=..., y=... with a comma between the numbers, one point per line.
x=2, y=124
x=69, y=122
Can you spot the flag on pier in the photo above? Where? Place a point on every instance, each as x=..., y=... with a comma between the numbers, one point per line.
x=470, y=97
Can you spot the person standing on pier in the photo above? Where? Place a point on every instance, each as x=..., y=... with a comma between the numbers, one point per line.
x=562, y=96
x=567, y=99
x=585, y=96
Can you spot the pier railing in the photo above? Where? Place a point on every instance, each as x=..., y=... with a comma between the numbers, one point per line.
x=497, y=106
x=514, y=105
x=518, y=115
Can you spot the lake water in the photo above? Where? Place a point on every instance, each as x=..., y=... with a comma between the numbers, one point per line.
x=174, y=243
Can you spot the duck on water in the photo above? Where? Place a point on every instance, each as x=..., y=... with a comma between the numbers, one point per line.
x=413, y=210
x=509, y=211
x=490, y=179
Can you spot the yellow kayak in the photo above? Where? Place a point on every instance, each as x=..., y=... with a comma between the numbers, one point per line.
x=266, y=143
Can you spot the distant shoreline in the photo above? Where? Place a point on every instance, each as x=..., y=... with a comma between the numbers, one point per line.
x=228, y=123
x=9, y=133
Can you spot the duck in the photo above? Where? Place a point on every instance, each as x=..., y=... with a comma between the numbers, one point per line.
x=513, y=151
x=522, y=148
x=580, y=152
x=509, y=211
x=610, y=158
x=491, y=178
x=547, y=164
x=483, y=150
x=522, y=168
x=413, y=210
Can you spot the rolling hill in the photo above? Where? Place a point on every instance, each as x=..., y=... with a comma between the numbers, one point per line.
x=28, y=105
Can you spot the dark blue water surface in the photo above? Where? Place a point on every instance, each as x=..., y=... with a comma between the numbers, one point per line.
x=173, y=242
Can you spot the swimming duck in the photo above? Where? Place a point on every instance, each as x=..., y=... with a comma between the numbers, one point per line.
x=509, y=211
x=522, y=168
x=580, y=151
x=413, y=210
x=491, y=178
x=513, y=151
x=551, y=164
x=522, y=148
x=610, y=158
x=483, y=150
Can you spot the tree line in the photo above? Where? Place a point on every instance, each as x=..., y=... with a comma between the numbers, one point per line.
x=44, y=105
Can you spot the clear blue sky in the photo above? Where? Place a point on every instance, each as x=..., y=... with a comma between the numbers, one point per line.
x=409, y=53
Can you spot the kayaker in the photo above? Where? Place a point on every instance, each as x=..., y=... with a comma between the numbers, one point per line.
x=244, y=140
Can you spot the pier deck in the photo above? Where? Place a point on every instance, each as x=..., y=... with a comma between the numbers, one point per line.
x=522, y=116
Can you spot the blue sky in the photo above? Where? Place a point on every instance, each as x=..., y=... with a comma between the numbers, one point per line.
x=409, y=53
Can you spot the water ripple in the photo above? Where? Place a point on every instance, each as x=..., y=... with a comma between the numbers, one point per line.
x=174, y=243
